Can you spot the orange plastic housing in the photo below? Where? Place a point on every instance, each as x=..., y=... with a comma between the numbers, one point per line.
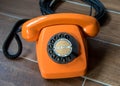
x=41, y=29
x=32, y=28
x=52, y=70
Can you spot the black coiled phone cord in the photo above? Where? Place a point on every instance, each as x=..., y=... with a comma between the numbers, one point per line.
x=13, y=34
x=46, y=7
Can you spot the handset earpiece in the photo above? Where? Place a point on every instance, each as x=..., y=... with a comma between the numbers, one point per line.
x=32, y=28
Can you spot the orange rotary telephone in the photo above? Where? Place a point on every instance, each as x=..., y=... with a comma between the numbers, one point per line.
x=60, y=39
x=60, y=44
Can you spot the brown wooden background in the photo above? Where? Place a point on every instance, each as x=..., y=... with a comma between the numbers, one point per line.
x=104, y=50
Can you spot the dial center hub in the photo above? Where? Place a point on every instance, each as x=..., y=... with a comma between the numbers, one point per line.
x=62, y=47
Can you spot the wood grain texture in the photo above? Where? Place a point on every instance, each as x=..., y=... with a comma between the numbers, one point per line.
x=103, y=62
x=90, y=83
x=22, y=8
x=103, y=58
x=25, y=73
x=113, y=5
x=109, y=4
x=6, y=24
x=19, y=73
x=11, y=68
x=110, y=32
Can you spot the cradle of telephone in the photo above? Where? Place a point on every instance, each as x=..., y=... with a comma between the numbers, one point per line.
x=60, y=43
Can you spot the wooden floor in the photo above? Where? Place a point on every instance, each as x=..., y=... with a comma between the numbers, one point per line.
x=104, y=50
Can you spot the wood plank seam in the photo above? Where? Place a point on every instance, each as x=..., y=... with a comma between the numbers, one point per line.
x=72, y=2
x=83, y=84
x=93, y=80
x=24, y=58
x=85, y=5
x=106, y=42
x=84, y=77
x=34, y=61
x=9, y=15
x=93, y=39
